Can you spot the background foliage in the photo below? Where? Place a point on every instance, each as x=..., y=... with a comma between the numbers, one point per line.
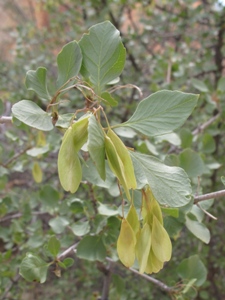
x=177, y=45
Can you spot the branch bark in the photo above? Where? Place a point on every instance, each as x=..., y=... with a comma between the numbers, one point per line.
x=157, y=282
x=209, y=196
x=203, y=126
x=5, y=120
x=72, y=250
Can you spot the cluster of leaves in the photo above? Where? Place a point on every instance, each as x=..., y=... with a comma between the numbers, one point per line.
x=99, y=57
x=206, y=158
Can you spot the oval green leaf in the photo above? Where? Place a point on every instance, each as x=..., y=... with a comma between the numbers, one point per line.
x=192, y=267
x=162, y=112
x=53, y=246
x=103, y=54
x=31, y=114
x=91, y=248
x=36, y=81
x=33, y=268
x=69, y=63
x=170, y=185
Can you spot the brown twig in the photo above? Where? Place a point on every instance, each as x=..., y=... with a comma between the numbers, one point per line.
x=209, y=196
x=160, y=284
x=5, y=120
x=15, y=156
x=157, y=282
x=18, y=215
x=70, y=251
x=205, y=125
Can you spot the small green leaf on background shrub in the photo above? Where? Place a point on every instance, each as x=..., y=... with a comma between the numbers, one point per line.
x=191, y=268
x=33, y=268
x=36, y=81
x=91, y=248
x=53, y=246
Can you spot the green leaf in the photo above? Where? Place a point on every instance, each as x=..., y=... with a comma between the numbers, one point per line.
x=36, y=151
x=91, y=248
x=208, y=144
x=64, y=120
x=223, y=180
x=173, y=138
x=58, y=224
x=173, y=212
x=186, y=137
x=172, y=226
x=199, y=85
x=80, y=228
x=96, y=145
x=191, y=268
x=206, y=204
x=170, y=185
x=31, y=114
x=36, y=81
x=109, y=99
x=192, y=163
x=37, y=172
x=118, y=287
x=33, y=268
x=162, y=112
x=125, y=132
x=221, y=85
x=103, y=54
x=68, y=262
x=69, y=62
x=35, y=241
x=107, y=210
x=91, y=175
x=198, y=229
x=53, y=246
x=49, y=197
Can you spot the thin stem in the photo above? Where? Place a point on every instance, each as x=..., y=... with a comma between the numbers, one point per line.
x=5, y=120
x=206, y=212
x=106, y=282
x=18, y=215
x=205, y=125
x=105, y=117
x=157, y=282
x=209, y=196
x=15, y=157
x=69, y=251
x=126, y=86
x=160, y=284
